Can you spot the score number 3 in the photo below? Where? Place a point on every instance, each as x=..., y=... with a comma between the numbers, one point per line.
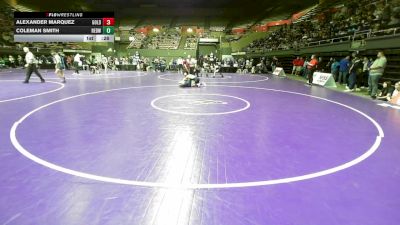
x=108, y=21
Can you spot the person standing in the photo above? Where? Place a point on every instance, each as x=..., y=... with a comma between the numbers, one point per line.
x=365, y=75
x=12, y=61
x=344, y=70
x=135, y=62
x=304, y=69
x=295, y=63
x=375, y=73
x=77, y=63
x=275, y=63
x=60, y=66
x=20, y=61
x=248, y=66
x=31, y=66
x=192, y=65
x=179, y=63
x=186, y=65
x=69, y=62
x=104, y=61
x=328, y=66
x=355, y=74
x=335, y=69
x=311, y=67
x=299, y=67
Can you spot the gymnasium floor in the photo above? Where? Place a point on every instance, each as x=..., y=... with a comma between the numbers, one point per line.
x=133, y=148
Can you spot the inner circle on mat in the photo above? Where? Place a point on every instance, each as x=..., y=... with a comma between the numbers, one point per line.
x=146, y=148
x=200, y=104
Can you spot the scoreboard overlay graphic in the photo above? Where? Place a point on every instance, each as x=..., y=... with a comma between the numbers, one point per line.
x=64, y=26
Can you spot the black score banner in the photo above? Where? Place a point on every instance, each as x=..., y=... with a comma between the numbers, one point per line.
x=64, y=26
x=44, y=15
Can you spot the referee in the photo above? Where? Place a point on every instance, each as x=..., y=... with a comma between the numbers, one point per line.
x=31, y=66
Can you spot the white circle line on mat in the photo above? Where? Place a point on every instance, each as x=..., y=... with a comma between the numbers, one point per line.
x=153, y=104
x=335, y=169
x=33, y=95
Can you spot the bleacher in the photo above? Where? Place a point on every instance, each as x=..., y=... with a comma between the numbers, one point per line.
x=6, y=25
x=168, y=40
x=319, y=8
x=137, y=41
x=191, y=43
x=331, y=22
x=217, y=28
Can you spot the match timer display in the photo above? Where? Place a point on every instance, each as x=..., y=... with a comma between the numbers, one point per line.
x=64, y=27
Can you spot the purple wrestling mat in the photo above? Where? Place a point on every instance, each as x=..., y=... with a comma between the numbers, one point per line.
x=134, y=148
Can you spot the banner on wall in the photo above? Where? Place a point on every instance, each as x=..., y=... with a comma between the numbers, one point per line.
x=260, y=28
x=239, y=30
x=278, y=23
x=227, y=57
x=77, y=51
x=209, y=40
x=126, y=28
x=238, y=53
x=142, y=30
